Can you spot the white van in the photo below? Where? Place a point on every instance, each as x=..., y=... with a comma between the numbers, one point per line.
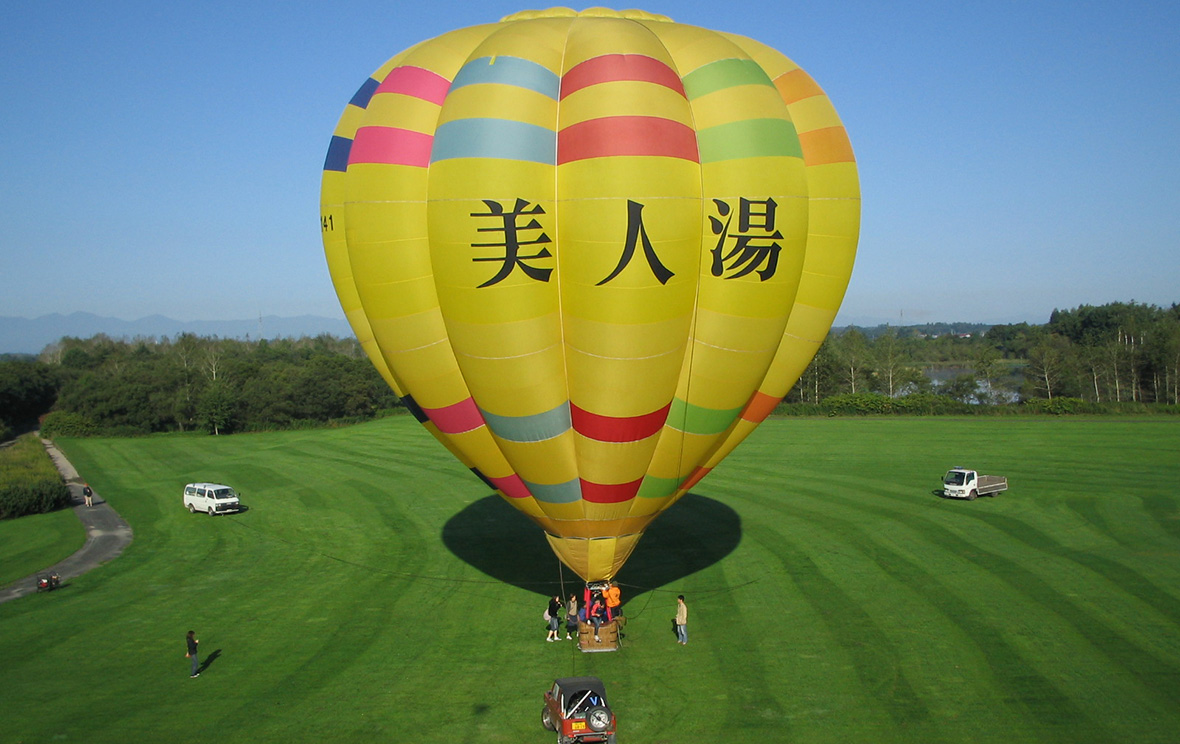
x=210, y=498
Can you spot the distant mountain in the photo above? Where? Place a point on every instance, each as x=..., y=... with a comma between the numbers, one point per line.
x=25, y=336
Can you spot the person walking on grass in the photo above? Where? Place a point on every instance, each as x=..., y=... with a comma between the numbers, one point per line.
x=192, y=652
x=681, y=621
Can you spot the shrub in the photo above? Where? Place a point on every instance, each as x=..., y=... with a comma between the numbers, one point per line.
x=67, y=424
x=29, y=483
x=5, y=431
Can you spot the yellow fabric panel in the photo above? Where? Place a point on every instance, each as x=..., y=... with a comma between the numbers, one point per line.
x=727, y=332
x=592, y=37
x=691, y=47
x=822, y=290
x=835, y=217
x=505, y=340
x=475, y=179
x=614, y=462
x=769, y=59
x=446, y=54
x=833, y=181
x=723, y=380
x=810, y=322
x=738, y=104
x=622, y=387
x=516, y=386
x=541, y=41
x=625, y=98
x=640, y=341
x=779, y=177
x=677, y=453
x=550, y=461
x=381, y=182
x=646, y=507
x=629, y=177
x=403, y=112
x=519, y=104
x=814, y=113
x=561, y=517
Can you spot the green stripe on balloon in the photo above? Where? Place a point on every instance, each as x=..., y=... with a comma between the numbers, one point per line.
x=749, y=138
x=692, y=419
x=722, y=74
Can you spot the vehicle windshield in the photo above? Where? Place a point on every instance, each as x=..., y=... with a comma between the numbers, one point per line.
x=223, y=493
x=954, y=478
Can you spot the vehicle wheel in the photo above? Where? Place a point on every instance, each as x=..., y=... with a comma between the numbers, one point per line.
x=214, y=513
x=547, y=718
x=598, y=718
x=971, y=496
x=192, y=509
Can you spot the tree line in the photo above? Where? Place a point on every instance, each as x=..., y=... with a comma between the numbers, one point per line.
x=1107, y=354
x=1113, y=356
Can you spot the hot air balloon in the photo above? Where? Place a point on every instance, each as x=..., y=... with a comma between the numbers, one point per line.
x=591, y=251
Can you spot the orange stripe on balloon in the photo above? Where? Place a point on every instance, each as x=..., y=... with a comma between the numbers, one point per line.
x=617, y=429
x=626, y=135
x=609, y=493
x=823, y=146
x=695, y=478
x=611, y=68
x=797, y=85
x=759, y=407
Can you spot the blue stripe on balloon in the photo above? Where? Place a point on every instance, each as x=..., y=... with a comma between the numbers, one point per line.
x=536, y=428
x=500, y=139
x=514, y=71
x=557, y=493
x=360, y=99
x=337, y=158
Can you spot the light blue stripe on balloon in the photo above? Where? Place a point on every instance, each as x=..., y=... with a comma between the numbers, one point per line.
x=514, y=71
x=494, y=138
x=535, y=428
x=558, y=493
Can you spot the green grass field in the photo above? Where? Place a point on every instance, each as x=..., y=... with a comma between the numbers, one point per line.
x=374, y=592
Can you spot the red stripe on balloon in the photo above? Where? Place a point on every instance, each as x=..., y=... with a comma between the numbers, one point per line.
x=609, y=493
x=512, y=486
x=456, y=419
x=611, y=68
x=626, y=135
x=415, y=82
x=391, y=146
x=617, y=429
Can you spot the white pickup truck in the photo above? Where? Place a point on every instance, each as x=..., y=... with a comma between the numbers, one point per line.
x=961, y=483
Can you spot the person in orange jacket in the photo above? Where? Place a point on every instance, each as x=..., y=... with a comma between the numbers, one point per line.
x=614, y=601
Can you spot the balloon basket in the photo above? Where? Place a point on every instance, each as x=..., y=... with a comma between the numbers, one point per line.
x=608, y=637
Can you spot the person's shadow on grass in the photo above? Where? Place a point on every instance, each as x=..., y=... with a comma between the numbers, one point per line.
x=506, y=545
x=208, y=662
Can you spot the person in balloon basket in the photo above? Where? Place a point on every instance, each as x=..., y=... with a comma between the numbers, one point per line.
x=555, y=612
x=571, y=616
x=613, y=597
x=681, y=621
x=191, y=640
x=594, y=614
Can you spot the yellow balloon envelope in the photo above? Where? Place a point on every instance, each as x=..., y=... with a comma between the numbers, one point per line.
x=591, y=251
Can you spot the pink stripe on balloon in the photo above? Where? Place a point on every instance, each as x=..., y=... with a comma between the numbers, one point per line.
x=512, y=486
x=456, y=419
x=415, y=82
x=391, y=146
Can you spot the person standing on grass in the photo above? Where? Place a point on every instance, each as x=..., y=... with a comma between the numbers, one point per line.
x=192, y=652
x=571, y=616
x=681, y=621
x=556, y=610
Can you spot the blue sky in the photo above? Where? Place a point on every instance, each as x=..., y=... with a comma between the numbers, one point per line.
x=1015, y=157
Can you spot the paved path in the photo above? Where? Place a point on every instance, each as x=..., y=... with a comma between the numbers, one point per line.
x=106, y=532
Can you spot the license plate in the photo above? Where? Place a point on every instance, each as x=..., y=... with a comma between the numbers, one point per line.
x=578, y=725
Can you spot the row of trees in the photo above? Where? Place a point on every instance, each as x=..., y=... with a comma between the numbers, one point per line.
x=1115, y=353
x=191, y=382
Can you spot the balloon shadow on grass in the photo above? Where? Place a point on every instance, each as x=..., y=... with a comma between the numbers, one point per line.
x=503, y=543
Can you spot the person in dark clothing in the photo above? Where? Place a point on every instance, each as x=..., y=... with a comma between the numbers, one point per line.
x=192, y=652
x=556, y=610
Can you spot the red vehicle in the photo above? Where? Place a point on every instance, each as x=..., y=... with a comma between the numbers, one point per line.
x=576, y=708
